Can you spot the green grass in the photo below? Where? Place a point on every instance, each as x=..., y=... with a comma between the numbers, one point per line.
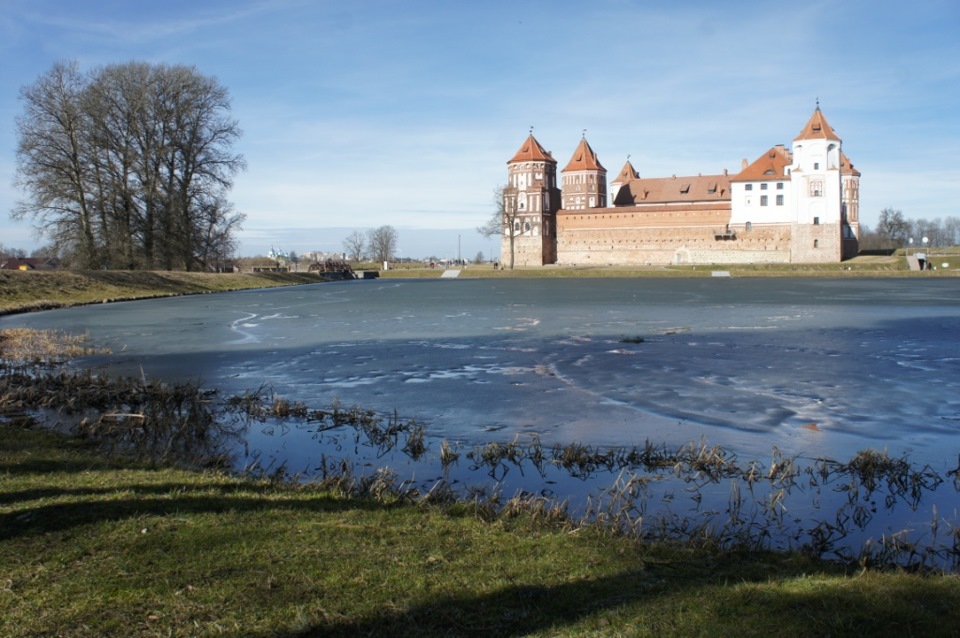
x=94, y=546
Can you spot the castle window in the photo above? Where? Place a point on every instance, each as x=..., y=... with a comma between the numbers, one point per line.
x=748, y=187
x=685, y=188
x=763, y=186
x=816, y=221
x=779, y=186
x=516, y=226
x=748, y=226
x=526, y=226
x=816, y=166
x=816, y=243
x=763, y=200
x=779, y=200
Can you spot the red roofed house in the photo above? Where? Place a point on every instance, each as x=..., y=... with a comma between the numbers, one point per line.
x=788, y=206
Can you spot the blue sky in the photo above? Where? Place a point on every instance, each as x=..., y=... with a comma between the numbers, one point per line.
x=359, y=114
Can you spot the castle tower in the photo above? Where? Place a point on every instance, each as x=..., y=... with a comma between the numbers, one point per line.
x=816, y=188
x=626, y=174
x=584, y=180
x=531, y=200
x=850, y=207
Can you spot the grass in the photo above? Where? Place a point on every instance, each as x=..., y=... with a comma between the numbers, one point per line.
x=864, y=266
x=95, y=546
x=43, y=290
x=99, y=545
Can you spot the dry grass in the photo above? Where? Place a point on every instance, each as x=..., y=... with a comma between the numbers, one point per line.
x=865, y=266
x=43, y=290
x=25, y=348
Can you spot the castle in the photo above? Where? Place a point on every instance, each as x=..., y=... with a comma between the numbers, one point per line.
x=789, y=206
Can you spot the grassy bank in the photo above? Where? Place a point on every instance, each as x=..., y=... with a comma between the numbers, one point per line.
x=42, y=290
x=94, y=546
x=26, y=291
x=865, y=266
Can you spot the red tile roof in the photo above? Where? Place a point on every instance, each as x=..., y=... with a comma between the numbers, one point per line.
x=661, y=190
x=626, y=173
x=818, y=128
x=846, y=166
x=584, y=159
x=769, y=166
x=531, y=151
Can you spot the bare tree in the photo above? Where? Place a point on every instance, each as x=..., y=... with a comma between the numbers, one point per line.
x=505, y=221
x=13, y=252
x=129, y=166
x=951, y=231
x=294, y=259
x=354, y=245
x=383, y=243
x=53, y=162
x=893, y=227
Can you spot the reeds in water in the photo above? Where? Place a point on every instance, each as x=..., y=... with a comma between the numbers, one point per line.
x=697, y=493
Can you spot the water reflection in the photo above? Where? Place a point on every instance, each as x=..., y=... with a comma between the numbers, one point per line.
x=816, y=369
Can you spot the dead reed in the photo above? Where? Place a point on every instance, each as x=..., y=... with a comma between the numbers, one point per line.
x=697, y=494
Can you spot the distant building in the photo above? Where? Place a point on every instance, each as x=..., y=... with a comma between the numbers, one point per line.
x=27, y=263
x=788, y=206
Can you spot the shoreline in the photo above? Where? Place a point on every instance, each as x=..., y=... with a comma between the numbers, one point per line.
x=33, y=291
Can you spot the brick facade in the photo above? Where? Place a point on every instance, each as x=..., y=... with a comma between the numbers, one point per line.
x=799, y=206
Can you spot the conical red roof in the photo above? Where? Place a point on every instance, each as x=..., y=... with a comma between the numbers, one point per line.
x=846, y=166
x=627, y=173
x=531, y=151
x=584, y=159
x=818, y=128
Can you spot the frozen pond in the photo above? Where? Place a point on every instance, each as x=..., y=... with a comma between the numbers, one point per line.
x=746, y=363
x=813, y=367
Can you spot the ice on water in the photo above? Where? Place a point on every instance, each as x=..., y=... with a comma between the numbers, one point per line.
x=818, y=367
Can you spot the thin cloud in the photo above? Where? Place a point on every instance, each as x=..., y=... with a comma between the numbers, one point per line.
x=406, y=113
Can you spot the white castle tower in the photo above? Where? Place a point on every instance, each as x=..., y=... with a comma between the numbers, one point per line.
x=803, y=202
x=817, y=194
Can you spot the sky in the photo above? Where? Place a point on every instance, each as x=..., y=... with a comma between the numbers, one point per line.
x=404, y=112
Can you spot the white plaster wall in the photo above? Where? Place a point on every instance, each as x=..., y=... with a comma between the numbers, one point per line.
x=741, y=212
